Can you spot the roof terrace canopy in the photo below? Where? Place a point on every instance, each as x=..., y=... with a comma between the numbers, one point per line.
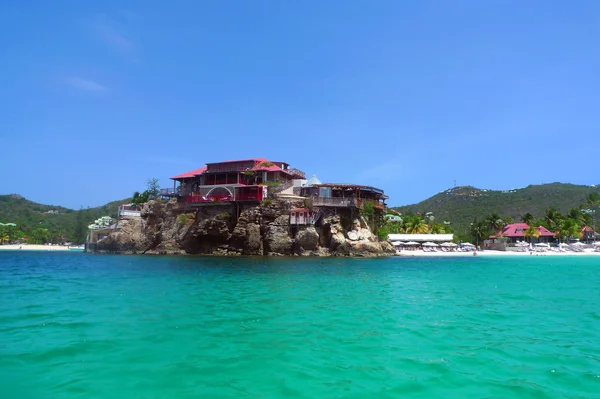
x=346, y=186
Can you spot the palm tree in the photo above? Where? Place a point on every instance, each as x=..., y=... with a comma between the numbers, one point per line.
x=4, y=238
x=553, y=219
x=532, y=232
x=479, y=230
x=415, y=225
x=568, y=228
x=593, y=199
x=576, y=215
x=527, y=218
x=495, y=222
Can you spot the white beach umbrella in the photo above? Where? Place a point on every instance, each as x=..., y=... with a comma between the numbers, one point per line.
x=430, y=244
x=563, y=244
x=397, y=243
x=597, y=243
x=521, y=244
x=448, y=244
x=467, y=244
x=411, y=243
x=542, y=244
x=577, y=244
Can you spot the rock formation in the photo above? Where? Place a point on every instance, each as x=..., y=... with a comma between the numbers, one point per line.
x=257, y=230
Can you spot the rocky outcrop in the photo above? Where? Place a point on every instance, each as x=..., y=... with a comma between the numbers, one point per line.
x=257, y=230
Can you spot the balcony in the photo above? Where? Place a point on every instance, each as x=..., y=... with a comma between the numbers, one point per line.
x=335, y=202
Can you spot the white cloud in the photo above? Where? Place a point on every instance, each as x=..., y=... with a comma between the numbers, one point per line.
x=85, y=84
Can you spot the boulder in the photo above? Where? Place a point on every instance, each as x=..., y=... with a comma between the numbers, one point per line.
x=308, y=239
x=254, y=243
x=276, y=239
x=353, y=235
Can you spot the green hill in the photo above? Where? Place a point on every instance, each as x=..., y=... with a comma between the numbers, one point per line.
x=59, y=221
x=460, y=205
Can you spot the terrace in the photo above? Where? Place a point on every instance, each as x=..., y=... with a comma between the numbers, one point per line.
x=345, y=195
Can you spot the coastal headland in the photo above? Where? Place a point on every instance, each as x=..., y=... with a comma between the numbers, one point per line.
x=234, y=230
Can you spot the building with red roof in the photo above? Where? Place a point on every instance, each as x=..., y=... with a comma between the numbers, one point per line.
x=588, y=234
x=516, y=232
x=254, y=178
x=230, y=181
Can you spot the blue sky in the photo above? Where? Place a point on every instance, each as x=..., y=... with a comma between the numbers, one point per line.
x=408, y=96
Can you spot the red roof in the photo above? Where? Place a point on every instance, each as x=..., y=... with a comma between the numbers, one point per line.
x=257, y=166
x=518, y=230
x=189, y=174
x=239, y=160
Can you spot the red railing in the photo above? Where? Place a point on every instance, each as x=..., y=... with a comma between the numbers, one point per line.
x=257, y=196
x=196, y=199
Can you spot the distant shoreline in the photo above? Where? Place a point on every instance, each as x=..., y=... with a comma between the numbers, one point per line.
x=35, y=247
x=420, y=253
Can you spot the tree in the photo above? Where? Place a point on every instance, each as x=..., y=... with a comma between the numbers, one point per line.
x=368, y=210
x=152, y=188
x=576, y=215
x=568, y=228
x=140, y=198
x=414, y=224
x=593, y=199
x=507, y=220
x=527, y=218
x=552, y=219
x=80, y=227
x=479, y=230
x=494, y=222
x=532, y=232
x=39, y=236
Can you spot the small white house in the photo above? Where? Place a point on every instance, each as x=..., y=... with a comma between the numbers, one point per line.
x=302, y=216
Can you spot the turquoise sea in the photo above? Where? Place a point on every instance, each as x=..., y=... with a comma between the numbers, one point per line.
x=92, y=326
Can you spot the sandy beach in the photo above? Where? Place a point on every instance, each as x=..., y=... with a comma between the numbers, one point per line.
x=33, y=247
x=420, y=253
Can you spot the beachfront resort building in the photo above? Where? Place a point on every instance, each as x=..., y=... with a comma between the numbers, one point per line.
x=256, y=179
x=588, y=234
x=515, y=232
x=233, y=181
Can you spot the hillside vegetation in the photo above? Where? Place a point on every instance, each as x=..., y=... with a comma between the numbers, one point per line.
x=461, y=205
x=48, y=223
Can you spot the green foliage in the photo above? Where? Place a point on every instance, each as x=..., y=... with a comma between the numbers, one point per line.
x=61, y=226
x=382, y=233
x=527, y=218
x=368, y=209
x=461, y=205
x=265, y=164
x=39, y=236
x=266, y=202
x=531, y=232
x=479, y=230
x=223, y=214
x=271, y=183
x=568, y=228
x=183, y=218
x=152, y=188
x=140, y=198
x=413, y=224
x=308, y=203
